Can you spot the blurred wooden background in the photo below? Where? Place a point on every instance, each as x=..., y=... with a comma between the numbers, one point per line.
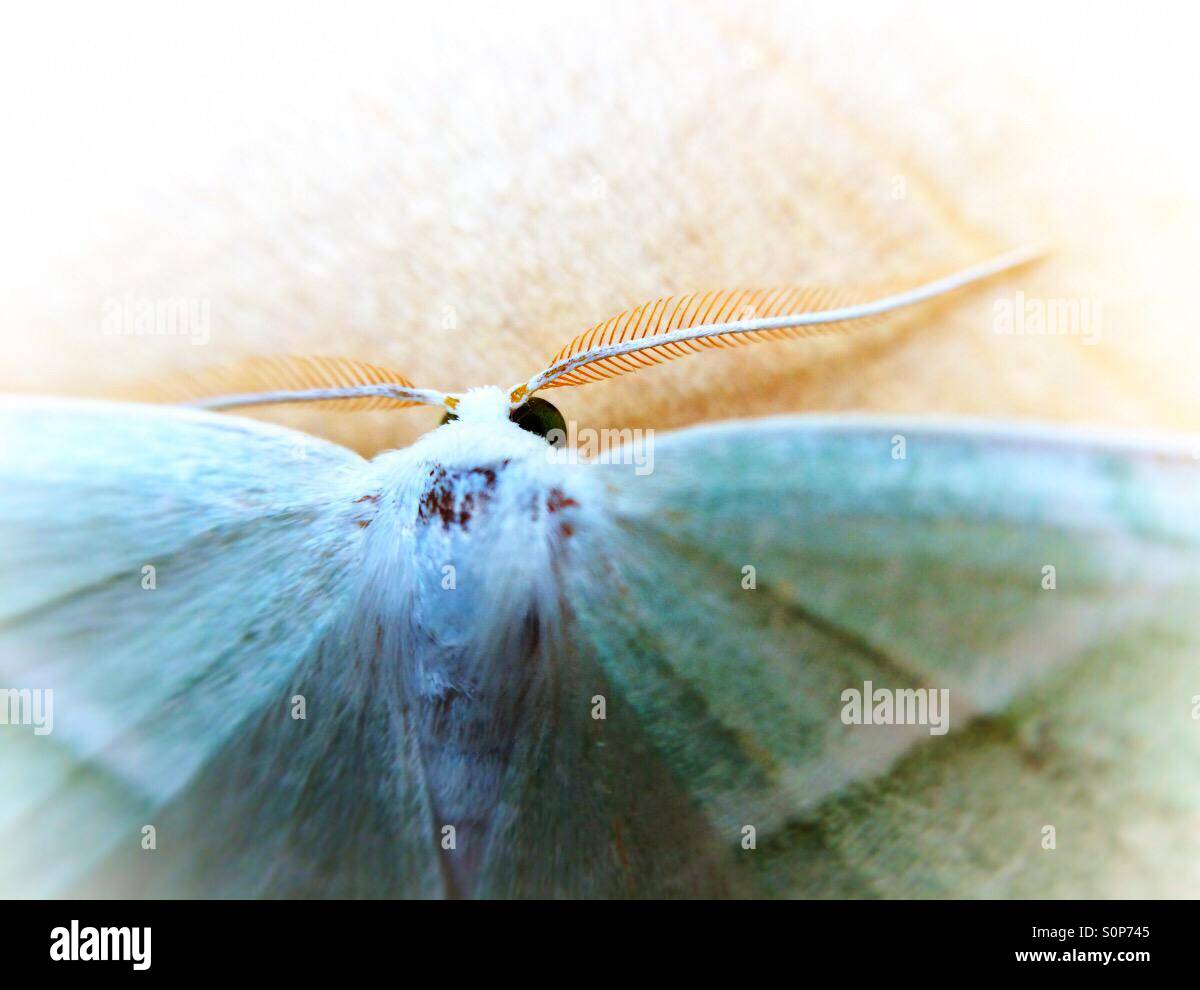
x=457, y=193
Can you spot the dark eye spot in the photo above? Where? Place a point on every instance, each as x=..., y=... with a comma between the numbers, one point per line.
x=541, y=418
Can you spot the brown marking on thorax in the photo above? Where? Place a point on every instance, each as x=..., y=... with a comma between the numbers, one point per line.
x=365, y=520
x=556, y=501
x=453, y=498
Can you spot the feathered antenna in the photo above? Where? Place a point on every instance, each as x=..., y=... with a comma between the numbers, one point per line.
x=672, y=327
x=339, y=382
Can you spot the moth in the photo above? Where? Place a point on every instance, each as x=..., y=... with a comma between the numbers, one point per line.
x=470, y=668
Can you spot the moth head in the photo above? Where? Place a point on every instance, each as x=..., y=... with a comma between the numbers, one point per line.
x=535, y=415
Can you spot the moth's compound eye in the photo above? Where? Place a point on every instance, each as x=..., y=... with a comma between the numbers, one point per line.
x=539, y=417
x=448, y=417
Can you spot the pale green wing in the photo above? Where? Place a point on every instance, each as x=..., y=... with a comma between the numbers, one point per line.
x=1049, y=581
x=176, y=579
